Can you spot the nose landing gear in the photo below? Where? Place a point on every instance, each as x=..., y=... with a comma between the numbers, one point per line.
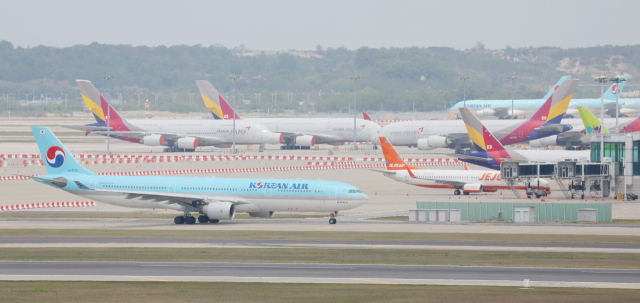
x=333, y=219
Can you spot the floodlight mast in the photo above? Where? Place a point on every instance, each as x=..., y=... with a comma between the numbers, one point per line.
x=513, y=78
x=602, y=80
x=234, y=78
x=464, y=91
x=109, y=78
x=617, y=80
x=355, y=111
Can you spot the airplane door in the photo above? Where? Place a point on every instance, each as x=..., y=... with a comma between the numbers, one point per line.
x=172, y=187
x=333, y=191
x=267, y=192
x=92, y=183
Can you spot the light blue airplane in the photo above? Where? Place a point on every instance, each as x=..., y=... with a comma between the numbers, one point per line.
x=215, y=198
x=503, y=108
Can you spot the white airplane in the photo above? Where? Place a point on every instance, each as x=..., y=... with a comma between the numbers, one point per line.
x=299, y=133
x=463, y=181
x=177, y=135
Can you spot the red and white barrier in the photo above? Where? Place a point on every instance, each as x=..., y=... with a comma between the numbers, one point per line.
x=47, y=205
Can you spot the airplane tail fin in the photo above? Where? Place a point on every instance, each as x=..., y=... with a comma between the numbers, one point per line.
x=214, y=101
x=87, y=89
x=591, y=122
x=483, y=140
x=614, y=89
x=57, y=159
x=366, y=116
x=555, y=87
x=391, y=156
x=91, y=98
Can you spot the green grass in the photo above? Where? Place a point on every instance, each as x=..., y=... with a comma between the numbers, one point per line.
x=53, y=291
x=395, y=218
x=332, y=256
x=324, y=234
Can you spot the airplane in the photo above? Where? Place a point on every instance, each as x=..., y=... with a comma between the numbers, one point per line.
x=215, y=198
x=428, y=135
x=503, y=108
x=177, y=135
x=299, y=133
x=463, y=181
x=490, y=152
x=592, y=123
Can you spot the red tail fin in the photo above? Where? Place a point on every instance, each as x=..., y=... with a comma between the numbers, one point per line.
x=366, y=116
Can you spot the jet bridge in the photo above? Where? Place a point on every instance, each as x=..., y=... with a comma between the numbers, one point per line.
x=573, y=176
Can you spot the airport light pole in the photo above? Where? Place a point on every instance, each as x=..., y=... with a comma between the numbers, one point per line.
x=513, y=78
x=464, y=91
x=602, y=80
x=234, y=78
x=355, y=112
x=109, y=78
x=617, y=80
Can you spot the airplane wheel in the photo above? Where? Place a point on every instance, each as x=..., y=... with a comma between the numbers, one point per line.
x=538, y=196
x=375, y=147
x=456, y=192
x=203, y=219
x=178, y=220
x=333, y=221
x=465, y=193
x=213, y=221
x=190, y=220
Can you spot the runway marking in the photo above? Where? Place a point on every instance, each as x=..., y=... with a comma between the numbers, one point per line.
x=610, y=285
x=152, y=279
x=107, y=244
x=295, y=244
x=324, y=227
x=550, y=248
x=489, y=230
x=12, y=244
x=383, y=282
x=161, y=226
x=384, y=245
x=308, y=213
x=201, y=244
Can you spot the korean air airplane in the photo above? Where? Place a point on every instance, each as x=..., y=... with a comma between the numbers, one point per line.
x=298, y=133
x=463, y=181
x=215, y=198
x=503, y=108
x=427, y=135
x=177, y=135
x=490, y=152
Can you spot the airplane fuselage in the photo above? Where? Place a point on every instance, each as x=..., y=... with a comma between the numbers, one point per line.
x=326, y=130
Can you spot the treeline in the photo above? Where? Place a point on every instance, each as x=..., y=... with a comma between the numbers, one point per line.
x=398, y=79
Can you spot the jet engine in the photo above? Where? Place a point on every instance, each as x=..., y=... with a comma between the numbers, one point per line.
x=572, y=112
x=433, y=142
x=472, y=188
x=276, y=138
x=487, y=112
x=306, y=140
x=220, y=211
x=153, y=140
x=262, y=214
x=188, y=143
x=551, y=140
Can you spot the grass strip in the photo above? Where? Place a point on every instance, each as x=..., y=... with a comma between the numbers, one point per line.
x=323, y=235
x=53, y=291
x=331, y=256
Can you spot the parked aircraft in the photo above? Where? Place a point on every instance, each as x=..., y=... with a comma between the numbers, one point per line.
x=463, y=181
x=490, y=152
x=299, y=133
x=177, y=135
x=215, y=198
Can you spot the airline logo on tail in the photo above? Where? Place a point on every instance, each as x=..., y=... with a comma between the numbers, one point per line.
x=214, y=101
x=366, y=116
x=55, y=156
x=392, y=158
x=591, y=123
x=485, y=143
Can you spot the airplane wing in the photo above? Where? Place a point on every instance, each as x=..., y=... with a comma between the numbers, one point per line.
x=85, y=128
x=463, y=156
x=384, y=171
x=570, y=136
x=167, y=136
x=176, y=197
x=502, y=111
x=319, y=137
x=550, y=128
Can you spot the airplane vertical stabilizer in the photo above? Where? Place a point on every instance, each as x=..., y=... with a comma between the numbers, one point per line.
x=614, y=89
x=57, y=159
x=591, y=122
x=214, y=101
x=392, y=158
x=91, y=98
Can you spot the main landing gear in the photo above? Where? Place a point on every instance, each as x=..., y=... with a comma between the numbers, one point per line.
x=192, y=220
x=456, y=192
x=333, y=219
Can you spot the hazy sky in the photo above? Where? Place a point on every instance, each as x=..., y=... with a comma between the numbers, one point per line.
x=282, y=25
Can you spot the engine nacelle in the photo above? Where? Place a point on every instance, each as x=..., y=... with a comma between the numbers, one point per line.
x=433, y=142
x=305, y=140
x=188, y=143
x=572, y=112
x=153, y=140
x=627, y=111
x=487, y=112
x=585, y=140
x=551, y=140
x=220, y=210
x=472, y=188
x=275, y=138
x=262, y=214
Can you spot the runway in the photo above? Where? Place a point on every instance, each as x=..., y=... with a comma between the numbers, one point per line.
x=40, y=242
x=318, y=273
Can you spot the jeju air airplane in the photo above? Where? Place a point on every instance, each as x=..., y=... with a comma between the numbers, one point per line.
x=299, y=133
x=463, y=181
x=490, y=152
x=427, y=135
x=215, y=198
x=176, y=135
